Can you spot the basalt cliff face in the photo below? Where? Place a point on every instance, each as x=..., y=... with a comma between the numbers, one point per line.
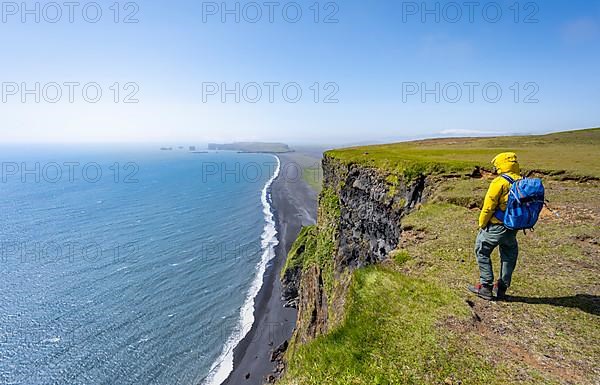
x=359, y=224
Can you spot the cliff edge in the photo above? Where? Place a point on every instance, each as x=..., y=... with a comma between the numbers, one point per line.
x=379, y=280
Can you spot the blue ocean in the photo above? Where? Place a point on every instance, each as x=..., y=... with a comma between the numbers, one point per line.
x=128, y=265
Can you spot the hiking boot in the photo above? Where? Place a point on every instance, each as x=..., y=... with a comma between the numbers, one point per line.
x=483, y=291
x=499, y=290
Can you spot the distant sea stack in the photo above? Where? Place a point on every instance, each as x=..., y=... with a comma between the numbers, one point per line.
x=259, y=147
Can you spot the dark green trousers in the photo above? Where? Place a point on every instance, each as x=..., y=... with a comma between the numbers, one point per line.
x=487, y=240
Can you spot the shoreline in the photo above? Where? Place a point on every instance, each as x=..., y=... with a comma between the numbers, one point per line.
x=293, y=204
x=223, y=366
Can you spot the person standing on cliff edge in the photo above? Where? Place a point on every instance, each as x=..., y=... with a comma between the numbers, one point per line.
x=493, y=233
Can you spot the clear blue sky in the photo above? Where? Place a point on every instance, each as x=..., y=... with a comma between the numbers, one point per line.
x=374, y=51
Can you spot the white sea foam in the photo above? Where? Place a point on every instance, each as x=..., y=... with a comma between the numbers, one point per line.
x=223, y=366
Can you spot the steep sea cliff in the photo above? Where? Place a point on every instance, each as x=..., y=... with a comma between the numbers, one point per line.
x=379, y=282
x=359, y=224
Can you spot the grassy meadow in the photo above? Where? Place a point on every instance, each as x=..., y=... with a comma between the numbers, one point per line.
x=410, y=320
x=570, y=154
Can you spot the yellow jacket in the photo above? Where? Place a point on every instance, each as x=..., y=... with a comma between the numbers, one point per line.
x=497, y=195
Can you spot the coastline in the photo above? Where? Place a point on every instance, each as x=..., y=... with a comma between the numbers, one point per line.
x=294, y=205
x=223, y=366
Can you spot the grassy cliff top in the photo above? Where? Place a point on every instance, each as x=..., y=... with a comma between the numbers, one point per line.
x=411, y=321
x=573, y=153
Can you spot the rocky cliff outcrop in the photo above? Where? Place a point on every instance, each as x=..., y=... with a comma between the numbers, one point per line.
x=359, y=224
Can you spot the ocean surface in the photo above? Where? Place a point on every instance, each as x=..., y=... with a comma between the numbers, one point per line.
x=129, y=266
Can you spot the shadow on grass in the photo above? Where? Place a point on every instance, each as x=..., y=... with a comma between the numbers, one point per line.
x=586, y=302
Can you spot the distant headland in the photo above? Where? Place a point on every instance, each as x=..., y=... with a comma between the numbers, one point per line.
x=278, y=148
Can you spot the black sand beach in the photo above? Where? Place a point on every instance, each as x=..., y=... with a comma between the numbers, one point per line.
x=295, y=205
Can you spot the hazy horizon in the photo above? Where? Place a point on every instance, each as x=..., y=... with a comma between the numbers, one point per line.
x=201, y=144
x=241, y=71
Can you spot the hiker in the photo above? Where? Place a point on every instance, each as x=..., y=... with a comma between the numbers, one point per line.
x=492, y=231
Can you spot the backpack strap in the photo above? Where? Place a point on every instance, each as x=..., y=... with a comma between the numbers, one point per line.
x=508, y=178
x=499, y=214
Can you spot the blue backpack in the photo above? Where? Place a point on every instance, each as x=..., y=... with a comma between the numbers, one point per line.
x=525, y=203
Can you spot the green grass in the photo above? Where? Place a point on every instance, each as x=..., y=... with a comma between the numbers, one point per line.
x=408, y=322
x=329, y=214
x=465, y=192
x=411, y=320
x=579, y=155
x=556, y=318
x=315, y=245
x=309, y=165
x=314, y=177
x=391, y=336
x=305, y=245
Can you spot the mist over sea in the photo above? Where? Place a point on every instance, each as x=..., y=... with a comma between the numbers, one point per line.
x=128, y=267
